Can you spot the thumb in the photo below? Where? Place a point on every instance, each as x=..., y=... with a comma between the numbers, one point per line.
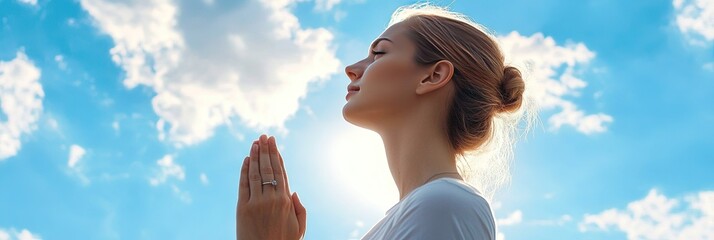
x=300, y=212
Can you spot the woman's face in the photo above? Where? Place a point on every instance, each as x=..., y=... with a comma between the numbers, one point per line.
x=387, y=79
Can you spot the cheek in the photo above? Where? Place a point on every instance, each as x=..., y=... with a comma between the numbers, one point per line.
x=387, y=84
x=386, y=91
x=389, y=78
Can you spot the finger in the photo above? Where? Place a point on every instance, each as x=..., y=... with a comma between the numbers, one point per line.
x=301, y=214
x=244, y=185
x=285, y=173
x=266, y=169
x=254, y=173
x=277, y=168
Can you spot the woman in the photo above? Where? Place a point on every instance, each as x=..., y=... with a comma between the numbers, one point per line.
x=435, y=88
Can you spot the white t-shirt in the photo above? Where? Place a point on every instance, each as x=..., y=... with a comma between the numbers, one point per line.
x=445, y=208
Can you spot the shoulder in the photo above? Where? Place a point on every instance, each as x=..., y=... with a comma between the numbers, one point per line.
x=452, y=196
x=447, y=209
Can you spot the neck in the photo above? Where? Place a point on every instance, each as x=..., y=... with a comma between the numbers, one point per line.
x=418, y=151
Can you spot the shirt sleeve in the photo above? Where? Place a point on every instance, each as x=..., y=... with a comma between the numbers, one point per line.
x=439, y=214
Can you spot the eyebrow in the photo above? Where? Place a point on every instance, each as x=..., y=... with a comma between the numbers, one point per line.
x=378, y=40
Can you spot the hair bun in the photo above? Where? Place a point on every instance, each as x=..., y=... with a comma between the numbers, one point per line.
x=512, y=88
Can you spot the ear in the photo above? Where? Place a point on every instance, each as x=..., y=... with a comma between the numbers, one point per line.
x=438, y=76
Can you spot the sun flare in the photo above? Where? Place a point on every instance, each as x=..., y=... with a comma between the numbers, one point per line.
x=360, y=164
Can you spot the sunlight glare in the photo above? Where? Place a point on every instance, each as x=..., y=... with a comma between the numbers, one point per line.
x=361, y=165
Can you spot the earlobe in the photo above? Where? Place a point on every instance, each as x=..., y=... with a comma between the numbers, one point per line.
x=439, y=75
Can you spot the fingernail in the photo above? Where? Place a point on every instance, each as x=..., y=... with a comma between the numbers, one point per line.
x=255, y=147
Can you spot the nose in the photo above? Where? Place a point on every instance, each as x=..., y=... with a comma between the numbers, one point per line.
x=354, y=71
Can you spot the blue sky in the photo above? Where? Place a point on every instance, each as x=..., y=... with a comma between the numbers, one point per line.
x=129, y=119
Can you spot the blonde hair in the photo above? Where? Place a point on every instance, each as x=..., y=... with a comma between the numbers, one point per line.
x=488, y=102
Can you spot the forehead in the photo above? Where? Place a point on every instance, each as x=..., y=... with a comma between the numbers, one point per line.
x=395, y=33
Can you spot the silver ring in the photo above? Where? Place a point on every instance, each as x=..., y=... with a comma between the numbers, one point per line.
x=273, y=182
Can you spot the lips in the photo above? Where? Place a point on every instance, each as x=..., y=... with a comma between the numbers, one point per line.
x=351, y=90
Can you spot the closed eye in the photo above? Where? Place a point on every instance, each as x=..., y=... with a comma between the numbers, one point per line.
x=377, y=53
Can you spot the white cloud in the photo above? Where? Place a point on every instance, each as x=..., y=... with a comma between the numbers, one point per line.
x=21, y=97
x=339, y=15
x=53, y=124
x=708, y=66
x=309, y=111
x=514, y=218
x=170, y=169
x=60, y=62
x=29, y=2
x=206, y=70
x=204, y=179
x=167, y=169
x=76, y=153
x=553, y=222
x=183, y=195
x=358, y=230
x=12, y=234
x=695, y=19
x=587, y=124
x=115, y=126
x=27, y=235
x=597, y=95
x=325, y=5
x=658, y=217
x=540, y=59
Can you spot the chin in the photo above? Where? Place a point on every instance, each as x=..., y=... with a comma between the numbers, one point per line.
x=356, y=116
x=348, y=113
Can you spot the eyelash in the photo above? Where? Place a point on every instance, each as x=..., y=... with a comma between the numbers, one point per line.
x=375, y=52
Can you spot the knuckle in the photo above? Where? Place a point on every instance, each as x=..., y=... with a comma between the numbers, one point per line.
x=259, y=203
x=270, y=202
x=266, y=170
x=280, y=199
x=254, y=177
x=285, y=199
